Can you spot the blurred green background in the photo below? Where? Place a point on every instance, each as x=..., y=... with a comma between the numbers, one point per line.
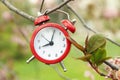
x=15, y=33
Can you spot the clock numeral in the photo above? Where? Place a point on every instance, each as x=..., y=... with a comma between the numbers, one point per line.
x=56, y=55
x=61, y=51
x=59, y=33
x=49, y=55
x=64, y=45
x=38, y=41
x=43, y=52
x=63, y=39
x=39, y=47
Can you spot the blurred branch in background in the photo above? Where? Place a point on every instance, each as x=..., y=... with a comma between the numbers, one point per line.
x=6, y=73
x=59, y=6
x=17, y=11
x=86, y=26
x=31, y=18
x=42, y=5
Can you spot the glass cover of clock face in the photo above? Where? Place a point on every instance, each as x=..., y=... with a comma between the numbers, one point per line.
x=50, y=43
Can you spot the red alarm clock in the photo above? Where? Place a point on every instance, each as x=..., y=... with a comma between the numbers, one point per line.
x=48, y=42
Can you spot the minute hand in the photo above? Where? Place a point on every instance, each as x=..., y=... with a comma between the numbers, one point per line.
x=53, y=35
x=46, y=39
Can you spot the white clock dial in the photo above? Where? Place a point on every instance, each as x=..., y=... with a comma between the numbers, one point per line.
x=50, y=43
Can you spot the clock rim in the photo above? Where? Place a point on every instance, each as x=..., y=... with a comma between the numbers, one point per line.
x=34, y=35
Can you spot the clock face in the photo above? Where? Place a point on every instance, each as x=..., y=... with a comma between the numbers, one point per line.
x=50, y=44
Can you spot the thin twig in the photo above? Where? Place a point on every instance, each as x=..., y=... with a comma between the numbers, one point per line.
x=96, y=69
x=111, y=65
x=23, y=34
x=84, y=51
x=14, y=9
x=81, y=48
x=58, y=7
x=113, y=42
x=29, y=17
x=42, y=5
x=80, y=18
x=86, y=26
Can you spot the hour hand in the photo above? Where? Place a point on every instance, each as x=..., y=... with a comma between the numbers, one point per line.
x=49, y=44
x=46, y=45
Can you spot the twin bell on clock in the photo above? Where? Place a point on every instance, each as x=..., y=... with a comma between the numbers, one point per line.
x=49, y=43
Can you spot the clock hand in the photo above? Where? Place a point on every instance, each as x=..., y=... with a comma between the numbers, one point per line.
x=46, y=39
x=50, y=43
x=46, y=45
x=52, y=35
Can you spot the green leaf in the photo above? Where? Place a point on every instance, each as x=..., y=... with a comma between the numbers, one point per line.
x=96, y=41
x=104, y=59
x=85, y=58
x=98, y=56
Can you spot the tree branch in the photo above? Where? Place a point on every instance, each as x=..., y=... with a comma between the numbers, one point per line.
x=111, y=65
x=14, y=9
x=84, y=51
x=42, y=5
x=59, y=6
x=31, y=18
x=27, y=16
x=86, y=26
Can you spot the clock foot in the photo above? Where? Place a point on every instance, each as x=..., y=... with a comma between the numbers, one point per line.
x=63, y=66
x=30, y=59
